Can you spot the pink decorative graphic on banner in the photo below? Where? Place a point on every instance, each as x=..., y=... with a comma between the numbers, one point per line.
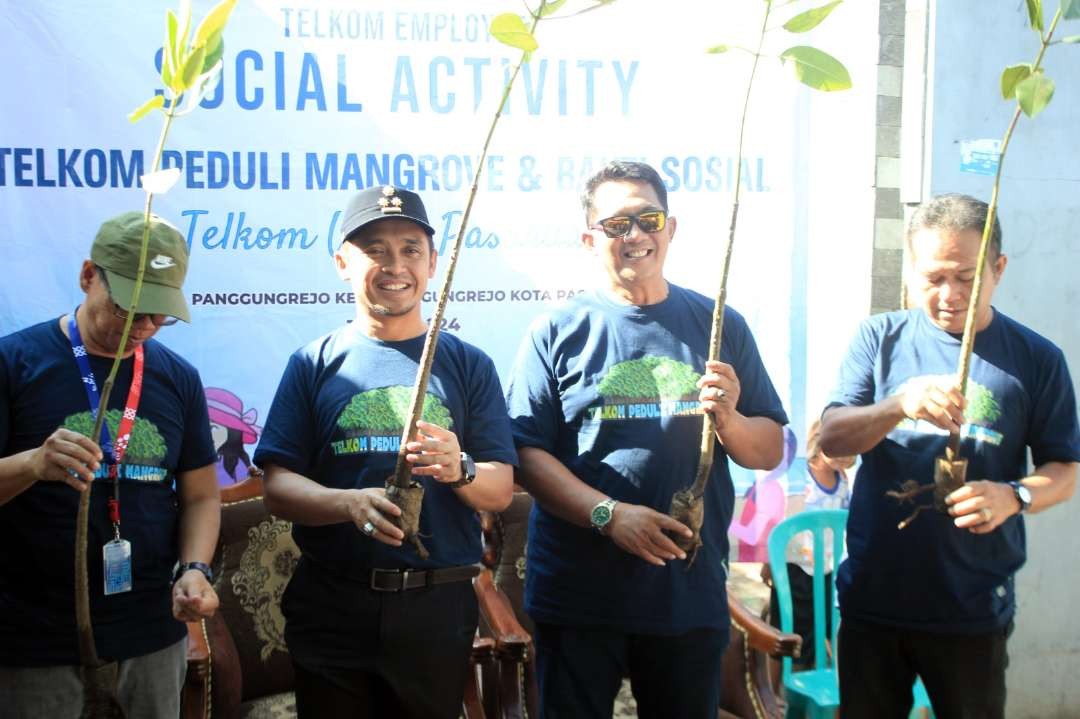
x=231, y=427
x=766, y=503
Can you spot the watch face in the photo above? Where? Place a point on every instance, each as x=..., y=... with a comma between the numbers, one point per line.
x=468, y=466
x=601, y=515
x=1024, y=495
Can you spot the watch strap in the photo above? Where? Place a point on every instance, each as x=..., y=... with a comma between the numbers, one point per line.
x=468, y=472
x=185, y=567
x=1020, y=491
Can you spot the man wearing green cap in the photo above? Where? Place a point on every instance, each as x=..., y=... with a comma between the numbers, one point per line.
x=154, y=504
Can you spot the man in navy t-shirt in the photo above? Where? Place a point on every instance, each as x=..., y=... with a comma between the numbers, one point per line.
x=937, y=599
x=606, y=400
x=165, y=487
x=374, y=630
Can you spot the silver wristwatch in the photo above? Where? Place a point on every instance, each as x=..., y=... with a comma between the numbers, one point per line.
x=601, y=514
x=468, y=471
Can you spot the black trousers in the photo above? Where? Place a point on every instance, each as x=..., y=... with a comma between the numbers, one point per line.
x=579, y=672
x=964, y=674
x=362, y=653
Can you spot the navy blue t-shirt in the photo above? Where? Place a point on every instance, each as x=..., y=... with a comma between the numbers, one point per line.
x=40, y=390
x=610, y=390
x=337, y=419
x=932, y=575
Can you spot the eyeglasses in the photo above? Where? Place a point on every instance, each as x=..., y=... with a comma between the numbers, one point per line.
x=621, y=225
x=158, y=320
x=121, y=314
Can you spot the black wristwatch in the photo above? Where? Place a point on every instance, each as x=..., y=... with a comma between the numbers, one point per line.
x=468, y=471
x=183, y=567
x=1023, y=496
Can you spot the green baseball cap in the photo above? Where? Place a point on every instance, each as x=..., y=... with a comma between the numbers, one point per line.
x=116, y=250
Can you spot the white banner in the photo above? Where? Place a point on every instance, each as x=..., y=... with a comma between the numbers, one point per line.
x=320, y=99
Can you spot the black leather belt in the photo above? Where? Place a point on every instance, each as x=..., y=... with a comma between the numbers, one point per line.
x=399, y=580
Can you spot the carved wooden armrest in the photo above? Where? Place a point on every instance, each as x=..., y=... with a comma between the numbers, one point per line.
x=761, y=635
x=198, y=651
x=511, y=639
x=196, y=691
x=483, y=650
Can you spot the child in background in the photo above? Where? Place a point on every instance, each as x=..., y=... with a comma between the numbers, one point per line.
x=829, y=488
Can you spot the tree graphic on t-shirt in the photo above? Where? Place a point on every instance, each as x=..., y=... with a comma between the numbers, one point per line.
x=982, y=408
x=649, y=378
x=383, y=411
x=146, y=445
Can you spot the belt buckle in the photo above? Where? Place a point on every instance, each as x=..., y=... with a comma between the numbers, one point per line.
x=376, y=587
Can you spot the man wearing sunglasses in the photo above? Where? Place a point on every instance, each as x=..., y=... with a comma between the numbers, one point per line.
x=606, y=400
x=154, y=504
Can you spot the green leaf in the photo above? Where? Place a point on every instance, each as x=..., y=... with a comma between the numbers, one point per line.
x=154, y=103
x=1035, y=14
x=509, y=29
x=817, y=69
x=551, y=7
x=166, y=73
x=1034, y=94
x=1071, y=40
x=717, y=49
x=213, y=23
x=169, y=55
x=810, y=19
x=185, y=24
x=215, y=48
x=1010, y=77
x=192, y=67
x=1070, y=10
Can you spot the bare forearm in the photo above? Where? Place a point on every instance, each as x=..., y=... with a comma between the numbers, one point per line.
x=65, y=456
x=298, y=499
x=753, y=442
x=492, y=489
x=199, y=525
x=556, y=487
x=200, y=514
x=847, y=431
x=15, y=476
x=1051, y=483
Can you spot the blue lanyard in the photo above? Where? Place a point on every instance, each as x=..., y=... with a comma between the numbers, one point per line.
x=94, y=398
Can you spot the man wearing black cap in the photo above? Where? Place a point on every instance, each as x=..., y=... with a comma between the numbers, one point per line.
x=154, y=506
x=373, y=630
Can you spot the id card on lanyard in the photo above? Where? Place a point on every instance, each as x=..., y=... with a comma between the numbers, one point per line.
x=117, y=552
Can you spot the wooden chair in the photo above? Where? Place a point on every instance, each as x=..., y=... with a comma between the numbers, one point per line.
x=238, y=664
x=746, y=690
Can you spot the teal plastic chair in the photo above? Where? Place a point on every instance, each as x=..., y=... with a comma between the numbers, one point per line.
x=815, y=693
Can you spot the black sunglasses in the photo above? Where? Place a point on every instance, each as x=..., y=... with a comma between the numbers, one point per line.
x=621, y=225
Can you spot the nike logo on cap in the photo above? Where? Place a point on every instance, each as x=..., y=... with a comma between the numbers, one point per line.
x=162, y=262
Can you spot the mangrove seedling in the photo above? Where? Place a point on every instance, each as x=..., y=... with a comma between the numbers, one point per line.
x=820, y=71
x=190, y=70
x=1031, y=89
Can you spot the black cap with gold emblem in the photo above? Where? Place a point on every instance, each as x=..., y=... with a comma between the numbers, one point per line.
x=381, y=203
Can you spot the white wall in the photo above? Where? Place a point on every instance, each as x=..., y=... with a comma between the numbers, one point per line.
x=970, y=42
